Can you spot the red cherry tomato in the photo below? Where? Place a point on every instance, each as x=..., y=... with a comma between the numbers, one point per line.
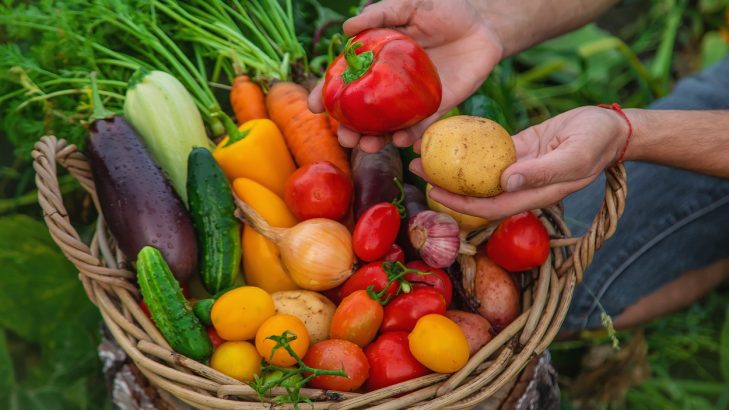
x=357, y=319
x=318, y=190
x=396, y=254
x=438, y=279
x=371, y=274
x=405, y=310
x=215, y=338
x=376, y=231
x=335, y=354
x=391, y=361
x=519, y=243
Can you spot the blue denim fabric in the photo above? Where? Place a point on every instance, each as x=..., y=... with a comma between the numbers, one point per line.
x=674, y=220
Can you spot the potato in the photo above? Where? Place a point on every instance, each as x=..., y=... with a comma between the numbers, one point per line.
x=314, y=309
x=466, y=222
x=497, y=292
x=466, y=155
x=476, y=328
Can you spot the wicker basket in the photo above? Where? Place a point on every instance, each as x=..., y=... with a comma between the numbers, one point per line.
x=110, y=286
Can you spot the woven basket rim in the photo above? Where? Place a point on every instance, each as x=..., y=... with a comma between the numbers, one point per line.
x=108, y=284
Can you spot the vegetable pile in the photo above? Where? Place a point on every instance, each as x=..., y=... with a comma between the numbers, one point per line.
x=338, y=277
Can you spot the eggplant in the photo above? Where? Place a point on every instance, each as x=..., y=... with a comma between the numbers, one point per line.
x=374, y=177
x=137, y=201
x=415, y=203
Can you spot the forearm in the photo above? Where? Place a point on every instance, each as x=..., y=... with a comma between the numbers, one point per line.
x=522, y=24
x=693, y=140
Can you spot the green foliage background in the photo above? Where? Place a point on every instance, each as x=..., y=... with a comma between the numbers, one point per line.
x=49, y=330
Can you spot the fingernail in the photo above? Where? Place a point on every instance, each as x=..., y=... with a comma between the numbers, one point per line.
x=514, y=182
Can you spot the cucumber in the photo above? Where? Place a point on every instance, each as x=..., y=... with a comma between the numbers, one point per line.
x=203, y=307
x=218, y=232
x=169, y=309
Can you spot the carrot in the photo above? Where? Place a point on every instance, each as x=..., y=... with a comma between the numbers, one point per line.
x=247, y=99
x=308, y=135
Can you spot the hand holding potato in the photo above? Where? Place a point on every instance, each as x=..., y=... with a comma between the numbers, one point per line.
x=553, y=159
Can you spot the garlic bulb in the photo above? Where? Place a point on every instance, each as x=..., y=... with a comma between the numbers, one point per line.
x=436, y=237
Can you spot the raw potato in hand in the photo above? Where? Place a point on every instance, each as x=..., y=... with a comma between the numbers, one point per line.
x=466, y=155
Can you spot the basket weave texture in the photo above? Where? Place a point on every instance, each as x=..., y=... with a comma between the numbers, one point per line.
x=110, y=285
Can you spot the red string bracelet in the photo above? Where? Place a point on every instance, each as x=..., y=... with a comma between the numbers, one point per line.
x=617, y=108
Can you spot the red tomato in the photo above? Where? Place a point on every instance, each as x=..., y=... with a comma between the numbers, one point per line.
x=405, y=310
x=357, y=319
x=215, y=338
x=371, y=274
x=438, y=279
x=145, y=309
x=376, y=231
x=318, y=190
x=335, y=354
x=396, y=254
x=391, y=361
x=519, y=243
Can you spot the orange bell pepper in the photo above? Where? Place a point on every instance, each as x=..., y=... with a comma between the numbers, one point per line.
x=262, y=265
x=261, y=155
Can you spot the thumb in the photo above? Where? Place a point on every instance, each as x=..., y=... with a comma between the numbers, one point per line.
x=560, y=165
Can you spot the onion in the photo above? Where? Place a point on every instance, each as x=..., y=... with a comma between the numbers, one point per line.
x=316, y=253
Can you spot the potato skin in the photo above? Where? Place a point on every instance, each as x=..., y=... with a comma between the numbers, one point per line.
x=476, y=328
x=466, y=155
x=312, y=308
x=497, y=292
x=466, y=222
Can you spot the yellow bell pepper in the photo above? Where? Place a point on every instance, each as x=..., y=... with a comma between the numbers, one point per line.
x=260, y=155
x=261, y=258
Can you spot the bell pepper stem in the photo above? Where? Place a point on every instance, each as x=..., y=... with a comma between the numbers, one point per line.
x=357, y=64
x=234, y=134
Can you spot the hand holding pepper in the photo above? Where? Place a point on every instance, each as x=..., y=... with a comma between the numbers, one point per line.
x=462, y=47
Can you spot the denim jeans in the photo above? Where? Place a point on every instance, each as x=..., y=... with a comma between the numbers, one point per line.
x=674, y=220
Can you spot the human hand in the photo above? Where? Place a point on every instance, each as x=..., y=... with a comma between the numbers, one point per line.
x=554, y=159
x=460, y=44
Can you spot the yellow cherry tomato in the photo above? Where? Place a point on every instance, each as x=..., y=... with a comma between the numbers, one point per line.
x=239, y=360
x=276, y=326
x=439, y=344
x=239, y=313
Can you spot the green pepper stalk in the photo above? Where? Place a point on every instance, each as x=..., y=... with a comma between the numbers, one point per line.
x=290, y=378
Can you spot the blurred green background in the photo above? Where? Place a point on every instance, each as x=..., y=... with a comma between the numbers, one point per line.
x=634, y=54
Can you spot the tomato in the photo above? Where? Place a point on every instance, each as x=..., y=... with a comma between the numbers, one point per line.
x=396, y=254
x=519, y=243
x=239, y=313
x=357, y=319
x=145, y=308
x=405, y=310
x=376, y=231
x=276, y=325
x=335, y=354
x=371, y=274
x=215, y=338
x=391, y=361
x=439, y=344
x=438, y=279
x=318, y=190
x=239, y=360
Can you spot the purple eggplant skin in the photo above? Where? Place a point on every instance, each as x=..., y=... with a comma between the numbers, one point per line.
x=374, y=177
x=415, y=203
x=138, y=203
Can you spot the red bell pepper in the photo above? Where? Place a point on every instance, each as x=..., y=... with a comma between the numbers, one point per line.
x=382, y=82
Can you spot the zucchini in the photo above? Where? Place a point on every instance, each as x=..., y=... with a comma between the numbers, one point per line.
x=169, y=309
x=218, y=232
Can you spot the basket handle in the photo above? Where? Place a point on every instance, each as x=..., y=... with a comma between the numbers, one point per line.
x=46, y=153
